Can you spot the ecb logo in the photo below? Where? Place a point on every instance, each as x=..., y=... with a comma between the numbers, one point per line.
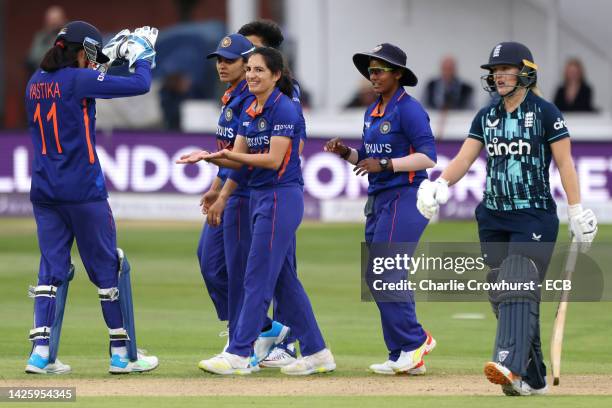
x=385, y=127
x=228, y=114
x=261, y=125
x=226, y=42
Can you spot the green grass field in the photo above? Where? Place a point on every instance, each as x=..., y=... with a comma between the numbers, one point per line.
x=176, y=321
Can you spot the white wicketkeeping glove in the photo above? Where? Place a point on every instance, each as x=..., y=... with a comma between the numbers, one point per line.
x=582, y=225
x=116, y=48
x=430, y=195
x=141, y=46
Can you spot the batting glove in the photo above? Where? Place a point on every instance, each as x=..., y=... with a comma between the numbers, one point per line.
x=430, y=195
x=116, y=48
x=582, y=226
x=141, y=46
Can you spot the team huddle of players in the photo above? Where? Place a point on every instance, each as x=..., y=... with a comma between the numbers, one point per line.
x=247, y=249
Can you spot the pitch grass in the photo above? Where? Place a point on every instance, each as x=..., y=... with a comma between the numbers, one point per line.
x=176, y=321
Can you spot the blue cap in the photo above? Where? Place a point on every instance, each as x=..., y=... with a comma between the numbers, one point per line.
x=78, y=31
x=232, y=47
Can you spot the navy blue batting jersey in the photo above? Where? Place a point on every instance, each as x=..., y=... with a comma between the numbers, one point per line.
x=61, y=113
x=227, y=128
x=518, y=152
x=278, y=118
x=401, y=129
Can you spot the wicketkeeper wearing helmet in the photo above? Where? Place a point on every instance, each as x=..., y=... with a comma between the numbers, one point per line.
x=517, y=218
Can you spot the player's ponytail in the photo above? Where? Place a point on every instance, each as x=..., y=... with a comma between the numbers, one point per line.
x=275, y=62
x=63, y=54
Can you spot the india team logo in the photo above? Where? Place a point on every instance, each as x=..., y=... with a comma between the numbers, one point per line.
x=262, y=124
x=385, y=127
x=226, y=42
x=229, y=114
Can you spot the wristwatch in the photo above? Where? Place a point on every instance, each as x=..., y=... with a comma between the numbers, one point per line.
x=384, y=163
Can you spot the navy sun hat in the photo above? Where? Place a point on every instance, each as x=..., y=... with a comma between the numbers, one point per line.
x=78, y=31
x=232, y=47
x=389, y=53
x=508, y=53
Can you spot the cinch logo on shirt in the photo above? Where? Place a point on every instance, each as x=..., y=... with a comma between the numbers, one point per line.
x=374, y=148
x=258, y=141
x=225, y=132
x=503, y=149
x=559, y=124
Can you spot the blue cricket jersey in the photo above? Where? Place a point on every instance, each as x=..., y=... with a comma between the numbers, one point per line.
x=278, y=118
x=518, y=152
x=402, y=129
x=61, y=112
x=227, y=130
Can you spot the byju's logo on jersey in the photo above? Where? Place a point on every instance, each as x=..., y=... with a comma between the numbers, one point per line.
x=528, y=119
x=385, y=127
x=559, y=124
x=229, y=114
x=492, y=124
x=496, y=148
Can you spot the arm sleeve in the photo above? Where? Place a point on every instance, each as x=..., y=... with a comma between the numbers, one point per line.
x=93, y=84
x=476, y=131
x=223, y=173
x=553, y=124
x=415, y=123
x=284, y=120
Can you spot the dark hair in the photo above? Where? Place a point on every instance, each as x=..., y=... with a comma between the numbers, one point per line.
x=269, y=32
x=63, y=54
x=276, y=63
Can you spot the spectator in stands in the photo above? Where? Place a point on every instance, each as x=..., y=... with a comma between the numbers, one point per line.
x=175, y=90
x=574, y=94
x=448, y=91
x=363, y=97
x=55, y=18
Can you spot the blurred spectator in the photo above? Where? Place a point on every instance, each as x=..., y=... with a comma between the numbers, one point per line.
x=55, y=18
x=364, y=96
x=575, y=94
x=448, y=91
x=174, y=91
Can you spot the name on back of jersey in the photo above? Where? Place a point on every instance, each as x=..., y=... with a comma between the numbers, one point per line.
x=45, y=90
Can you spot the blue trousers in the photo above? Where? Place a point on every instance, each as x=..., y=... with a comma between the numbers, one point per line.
x=93, y=226
x=211, y=256
x=395, y=218
x=276, y=214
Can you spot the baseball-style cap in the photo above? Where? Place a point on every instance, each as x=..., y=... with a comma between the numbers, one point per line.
x=232, y=47
x=390, y=54
x=78, y=32
x=509, y=53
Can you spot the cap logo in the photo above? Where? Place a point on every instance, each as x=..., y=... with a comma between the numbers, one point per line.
x=377, y=48
x=228, y=114
x=226, y=42
x=497, y=50
x=385, y=127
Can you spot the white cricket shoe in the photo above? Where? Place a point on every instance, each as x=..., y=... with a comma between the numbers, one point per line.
x=40, y=365
x=279, y=357
x=319, y=362
x=227, y=364
x=512, y=384
x=386, y=369
x=410, y=359
x=509, y=390
x=123, y=365
x=268, y=339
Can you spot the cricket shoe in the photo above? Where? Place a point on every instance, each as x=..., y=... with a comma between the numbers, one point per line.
x=509, y=390
x=320, y=362
x=512, y=384
x=122, y=364
x=268, y=339
x=40, y=365
x=386, y=369
x=430, y=343
x=408, y=360
x=227, y=364
x=279, y=357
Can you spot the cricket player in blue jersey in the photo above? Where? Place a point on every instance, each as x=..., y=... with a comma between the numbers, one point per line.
x=521, y=133
x=68, y=191
x=398, y=147
x=267, y=142
x=223, y=248
x=265, y=33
